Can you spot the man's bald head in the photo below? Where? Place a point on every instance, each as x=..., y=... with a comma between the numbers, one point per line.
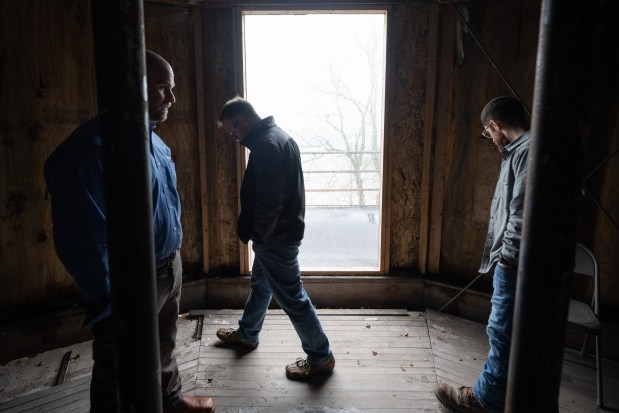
x=160, y=81
x=155, y=62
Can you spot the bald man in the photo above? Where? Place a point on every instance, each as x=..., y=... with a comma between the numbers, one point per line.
x=73, y=174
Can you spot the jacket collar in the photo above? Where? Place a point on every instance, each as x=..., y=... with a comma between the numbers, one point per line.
x=253, y=137
x=518, y=142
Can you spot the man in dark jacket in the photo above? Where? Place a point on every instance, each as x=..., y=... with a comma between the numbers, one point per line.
x=272, y=217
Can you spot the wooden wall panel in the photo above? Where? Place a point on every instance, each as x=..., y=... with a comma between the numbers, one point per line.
x=46, y=89
x=604, y=239
x=221, y=85
x=599, y=207
x=169, y=32
x=444, y=113
x=408, y=45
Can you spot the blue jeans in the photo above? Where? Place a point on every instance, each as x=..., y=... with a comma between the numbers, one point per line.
x=276, y=274
x=491, y=385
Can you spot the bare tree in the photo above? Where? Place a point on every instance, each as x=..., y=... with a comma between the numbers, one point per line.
x=354, y=120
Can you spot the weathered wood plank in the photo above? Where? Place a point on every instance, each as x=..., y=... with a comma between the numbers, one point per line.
x=374, y=372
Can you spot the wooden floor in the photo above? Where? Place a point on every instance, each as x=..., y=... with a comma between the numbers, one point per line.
x=386, y=361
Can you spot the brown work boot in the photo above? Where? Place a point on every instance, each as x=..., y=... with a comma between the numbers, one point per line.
x=303, y=369
x=193, y=404
x=461, y=400
x=229, y=336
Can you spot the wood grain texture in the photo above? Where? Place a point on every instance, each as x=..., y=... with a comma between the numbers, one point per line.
x=46, y=84
x=406, y=130
x=221, y=152
x=201, y=124
x=386, y=361
x=441, y=155
x=460, y=347
x=169, y=31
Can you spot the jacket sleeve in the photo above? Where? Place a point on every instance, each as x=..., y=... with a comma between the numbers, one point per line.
x=513, y=232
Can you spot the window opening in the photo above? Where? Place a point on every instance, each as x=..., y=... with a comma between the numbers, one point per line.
x=322, y=76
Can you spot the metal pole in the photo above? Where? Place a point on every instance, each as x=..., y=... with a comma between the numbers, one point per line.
x=118, y=27
x=567, y=51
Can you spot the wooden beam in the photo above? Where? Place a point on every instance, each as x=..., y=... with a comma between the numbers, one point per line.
x=238, y=68
x=428, y=141
x=323, y=5
x=443, y=136
x=201, y=116
x=177, y=3
x=385, y=233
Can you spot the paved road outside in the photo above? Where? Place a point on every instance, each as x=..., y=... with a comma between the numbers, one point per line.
x=340, y=238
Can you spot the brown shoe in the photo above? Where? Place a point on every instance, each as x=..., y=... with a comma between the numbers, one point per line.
x=461, y=400
x=229, y=336
x=193, y=404
x=303, y=369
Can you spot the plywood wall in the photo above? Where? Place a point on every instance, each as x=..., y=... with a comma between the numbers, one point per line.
x=407, y=65
x=169, y=31
x=47, y=89
x=222, y=155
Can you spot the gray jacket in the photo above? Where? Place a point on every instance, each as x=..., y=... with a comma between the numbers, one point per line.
x=505, y=226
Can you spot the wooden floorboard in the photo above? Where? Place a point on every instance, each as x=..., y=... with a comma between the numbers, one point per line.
x=387, y=361
x=459, y=349
x=383, y=363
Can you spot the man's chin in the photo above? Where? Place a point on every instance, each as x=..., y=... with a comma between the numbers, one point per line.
x=159, y=117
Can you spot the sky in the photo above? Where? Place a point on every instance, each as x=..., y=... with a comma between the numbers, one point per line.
x=289, y=59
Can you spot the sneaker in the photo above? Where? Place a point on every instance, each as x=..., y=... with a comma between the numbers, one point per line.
x=303, y=369
x=229, y=336
x=461, y=400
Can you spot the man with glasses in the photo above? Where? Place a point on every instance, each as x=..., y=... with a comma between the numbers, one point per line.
x=505, y=123
x=272, y=217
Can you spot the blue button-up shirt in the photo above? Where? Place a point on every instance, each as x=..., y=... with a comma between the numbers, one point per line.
x=74, y=178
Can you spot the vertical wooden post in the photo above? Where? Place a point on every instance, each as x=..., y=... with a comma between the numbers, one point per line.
x=573, y=44
x=428, y=139
x=201, y=116
x=443, y=136
x=118, y=27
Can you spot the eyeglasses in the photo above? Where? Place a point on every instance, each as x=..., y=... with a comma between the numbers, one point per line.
x=485, y=133
x=233, y=130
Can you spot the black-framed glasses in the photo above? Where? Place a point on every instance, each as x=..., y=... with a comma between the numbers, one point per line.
x=233, y=130
x=485, y=133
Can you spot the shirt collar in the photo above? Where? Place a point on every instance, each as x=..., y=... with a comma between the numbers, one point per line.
x=518, y=142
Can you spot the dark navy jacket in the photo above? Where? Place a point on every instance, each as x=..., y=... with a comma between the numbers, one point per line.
x=273, y=191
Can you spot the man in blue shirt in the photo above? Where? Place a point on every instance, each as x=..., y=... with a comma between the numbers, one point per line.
x=73, y=174
x=505, y=123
